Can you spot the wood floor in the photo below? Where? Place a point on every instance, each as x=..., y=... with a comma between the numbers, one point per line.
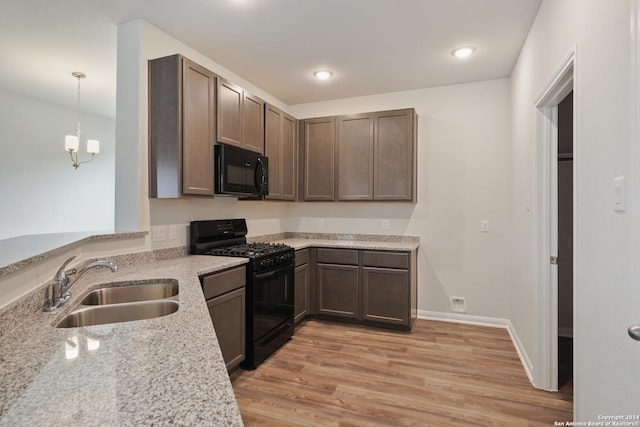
x=442, y=374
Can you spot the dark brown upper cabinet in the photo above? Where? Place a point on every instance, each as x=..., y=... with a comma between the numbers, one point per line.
x=229, y=113
x=280, y=147
x=355, y=157
x=370, y=156
x=253, y=123
x=240, y=117
x=395, y=136
x=181, y=128
x=319, y=136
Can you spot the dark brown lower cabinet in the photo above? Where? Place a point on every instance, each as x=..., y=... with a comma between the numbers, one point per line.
x=301, y=290
x=385, y=295
x=225, y=295
x=377, y=288
x=338, y=290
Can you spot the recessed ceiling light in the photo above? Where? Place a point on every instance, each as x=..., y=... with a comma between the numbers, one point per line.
x=322, y=74
x=463, y=52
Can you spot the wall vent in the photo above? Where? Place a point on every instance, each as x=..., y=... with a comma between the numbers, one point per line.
x=458, y=304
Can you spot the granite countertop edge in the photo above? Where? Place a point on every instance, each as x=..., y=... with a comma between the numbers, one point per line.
x=18, y=265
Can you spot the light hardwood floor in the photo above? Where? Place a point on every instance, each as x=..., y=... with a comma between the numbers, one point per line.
x=442, y=374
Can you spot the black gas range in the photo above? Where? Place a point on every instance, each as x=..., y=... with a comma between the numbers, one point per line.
x=269, y=284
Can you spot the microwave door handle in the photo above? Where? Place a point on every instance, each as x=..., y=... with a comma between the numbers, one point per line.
x=257, y=181
x=260, y=183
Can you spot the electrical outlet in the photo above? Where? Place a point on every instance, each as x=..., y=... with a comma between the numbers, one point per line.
x=484, y=226
x=320, y=222
x=385, y=224
x=159, y=233
x=173, y=232
x=458, y=304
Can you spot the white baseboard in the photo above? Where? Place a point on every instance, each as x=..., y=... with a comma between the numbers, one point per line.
x=493, y=322
x=522, y=354
x=463, y=318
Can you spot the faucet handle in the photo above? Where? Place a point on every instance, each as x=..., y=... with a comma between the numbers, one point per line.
x=61, y=275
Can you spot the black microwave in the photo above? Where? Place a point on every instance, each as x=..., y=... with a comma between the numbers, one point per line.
x=241, y=173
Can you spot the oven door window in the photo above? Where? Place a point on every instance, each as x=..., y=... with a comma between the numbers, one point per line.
x=273, y=300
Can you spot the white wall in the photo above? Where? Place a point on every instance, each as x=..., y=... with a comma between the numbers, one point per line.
x=463, y=177
x=40, y=190
x=601, y=31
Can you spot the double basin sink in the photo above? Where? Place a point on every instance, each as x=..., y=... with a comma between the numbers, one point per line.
x=124, y=302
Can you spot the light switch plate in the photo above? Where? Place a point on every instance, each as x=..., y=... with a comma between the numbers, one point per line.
x=484, y=226
x=618, y=186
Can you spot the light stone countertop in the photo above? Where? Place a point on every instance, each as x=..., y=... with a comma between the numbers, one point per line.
x=297, y=244
x=162, y=371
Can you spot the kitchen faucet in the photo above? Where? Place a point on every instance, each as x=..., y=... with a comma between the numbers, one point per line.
x=60, y=294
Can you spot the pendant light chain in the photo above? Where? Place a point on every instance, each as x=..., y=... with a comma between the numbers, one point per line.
x=79, y=76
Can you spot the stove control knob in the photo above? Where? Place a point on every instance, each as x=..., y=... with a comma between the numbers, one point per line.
x=268, y=262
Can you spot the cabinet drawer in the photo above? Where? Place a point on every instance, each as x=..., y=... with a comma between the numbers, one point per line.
x=220, y=283
x=338, y=256
x=302, y=257
x=385, y=259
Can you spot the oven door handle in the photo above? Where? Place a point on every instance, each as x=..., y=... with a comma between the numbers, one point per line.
x=270, y=274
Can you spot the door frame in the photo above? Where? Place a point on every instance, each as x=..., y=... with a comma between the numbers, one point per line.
x=634, y=173
x=563, y=81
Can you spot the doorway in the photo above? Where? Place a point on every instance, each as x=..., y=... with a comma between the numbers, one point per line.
x=565, y=241
x=546, y=220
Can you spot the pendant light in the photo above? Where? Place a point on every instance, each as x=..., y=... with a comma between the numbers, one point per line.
x=72, y=142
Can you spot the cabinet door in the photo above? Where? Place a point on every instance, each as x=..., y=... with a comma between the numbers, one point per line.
x=319, y=159
x=301, y=292
x=289, y=155
x=272, y=147
x=394, y=155
x=227, y=313
x=253, y=123
x=355, y=157
x=338, y=290
x=198, y=113
x=385, y=295
x=229, y=113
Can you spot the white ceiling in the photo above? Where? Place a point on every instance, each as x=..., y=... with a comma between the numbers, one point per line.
x=372, y=46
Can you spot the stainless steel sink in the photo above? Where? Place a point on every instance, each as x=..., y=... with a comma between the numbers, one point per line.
x=114, y=313
x=132, y=293
x=124, y=302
